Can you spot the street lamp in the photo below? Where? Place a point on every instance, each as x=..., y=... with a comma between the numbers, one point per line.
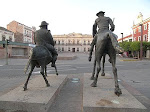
x=141, y=43
x=122, y=36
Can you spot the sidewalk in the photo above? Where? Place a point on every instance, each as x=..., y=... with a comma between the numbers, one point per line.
x=12, y=61
x=22, y=61
x=131, y=59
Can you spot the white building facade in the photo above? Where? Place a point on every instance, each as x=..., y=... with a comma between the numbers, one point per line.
x=27, y=34
x=22, y=33
x=6, y=34
x=73, y=42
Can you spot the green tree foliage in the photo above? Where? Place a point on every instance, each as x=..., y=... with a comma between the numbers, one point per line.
x=134, y=46
x=125, y=45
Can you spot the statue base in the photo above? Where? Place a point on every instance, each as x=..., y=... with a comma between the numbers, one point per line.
x=38, y=97
x=103, y=99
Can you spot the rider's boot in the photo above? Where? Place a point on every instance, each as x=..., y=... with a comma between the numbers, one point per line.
x=92, y=47
x=119, y=49
x=54, y=60
x=90, y=54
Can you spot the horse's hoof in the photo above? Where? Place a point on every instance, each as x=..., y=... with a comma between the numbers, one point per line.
x=93, y=84
x=48, y=85
x=92, y=78
x=25, y=88
x=57, y=74
x=103, y=74
x=118, y=91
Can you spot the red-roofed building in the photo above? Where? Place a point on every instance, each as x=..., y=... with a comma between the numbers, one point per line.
x=136, y=28
x=145, y=24
x=136, y=32
x=128, y=38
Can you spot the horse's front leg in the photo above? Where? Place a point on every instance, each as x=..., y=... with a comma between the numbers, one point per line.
x=93, y=73
x=117, y=89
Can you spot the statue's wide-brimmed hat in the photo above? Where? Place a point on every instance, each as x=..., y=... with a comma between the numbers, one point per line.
x=100, y=12
x=43, y=23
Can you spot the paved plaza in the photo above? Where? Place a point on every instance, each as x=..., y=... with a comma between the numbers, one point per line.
x=133, y=75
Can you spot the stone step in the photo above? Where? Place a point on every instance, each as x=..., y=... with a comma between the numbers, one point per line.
x=103, y=99
x=38, y=97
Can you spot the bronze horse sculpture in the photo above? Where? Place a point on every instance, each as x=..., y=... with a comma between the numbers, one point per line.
x=103, y=47
x=40, y=57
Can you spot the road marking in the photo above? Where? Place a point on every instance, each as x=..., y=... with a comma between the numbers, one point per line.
x=64, y=65
x=105, y=66
x=1, y=65
x=37, y=72
x=12, y=69
x=48, y=71
x=83, y=67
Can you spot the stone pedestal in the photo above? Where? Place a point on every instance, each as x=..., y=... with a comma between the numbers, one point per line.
x=103, y=99
x=38, y=97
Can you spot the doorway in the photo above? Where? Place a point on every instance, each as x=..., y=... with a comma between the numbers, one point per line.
x=73, y=49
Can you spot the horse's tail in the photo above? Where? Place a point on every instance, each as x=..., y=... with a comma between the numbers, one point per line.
x=29, y=62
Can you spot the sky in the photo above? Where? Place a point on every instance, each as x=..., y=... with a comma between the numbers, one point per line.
x=68, y=16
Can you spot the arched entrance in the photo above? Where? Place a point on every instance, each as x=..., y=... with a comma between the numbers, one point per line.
x=73, y=49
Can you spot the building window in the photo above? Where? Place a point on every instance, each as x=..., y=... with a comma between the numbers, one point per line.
x=78, y=49
x=68, y=48
x=73, y=41
x=62, y=42
x=88, y=49
x=78, y=42
x=3, y=37
x=139, y=29
x=59, y=42
x=68, y=41
x=134, y=38
x=139, y=38
x=145, y=37
x=59, y=49
x=10, y=38
x=84, y=49
x=88, y=42
x=134, y=31
x=55, y=42
x=145, y=26
x=130, y=40
x=84, y=42
x=62, y=49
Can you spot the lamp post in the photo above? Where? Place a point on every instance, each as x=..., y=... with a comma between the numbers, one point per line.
x=122, y=36
x=141, y=43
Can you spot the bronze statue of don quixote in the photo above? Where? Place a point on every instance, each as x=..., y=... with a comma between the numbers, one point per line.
x=105, y=42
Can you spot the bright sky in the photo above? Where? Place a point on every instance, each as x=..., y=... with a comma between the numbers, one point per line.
x=67, y=16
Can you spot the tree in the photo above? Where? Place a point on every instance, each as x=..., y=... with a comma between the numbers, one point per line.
x=135, y=46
